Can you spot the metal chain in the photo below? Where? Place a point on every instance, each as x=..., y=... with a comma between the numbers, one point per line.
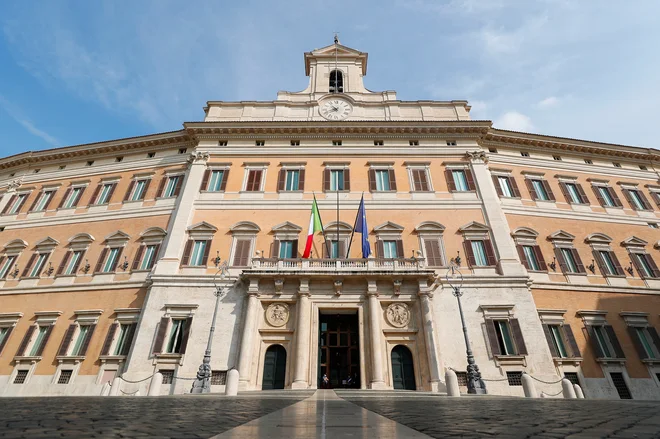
x=555, y=394
x=547, y=382
x=135, y=382
x=182, y=378
x=493, y=380
x=130, y=393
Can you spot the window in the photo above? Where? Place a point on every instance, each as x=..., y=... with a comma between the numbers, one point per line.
x=606, y=196
x=175, y=340
x=222, y=143
x=637, y=199
x=539, y=189
x=451, y=143
x=556, y=157
x=389, y=249
x=110, y=262
x=145, y=257
x=37, y=347
x=242, y=252
x=492, y=150
x=119, y=159
x=105, y=192
x=71, y=197
x=335, y=252
x=5, y=332
x=413, y=142
x=382, y=180
x=215, y=180
x=65, y=376
x=462, y=378
x=171, y=186
x=295, y=143
x=80, y=341
x=198, y=251
x=137, y=189
x=336, y=143
x=645, y=340
x=336, y=179
x=71, y=262
x=616, y=165
x=253, y=183
x=459, y=180
x=524, y=153
x=336, y=82
x=5, y=265
x=38, y=265
x=645, y=265
x=479, y=252
x=286, y=249
x=42, y=202
x=604, y=341
x=15, y=203
x=651, y=225
x=90, y=163
x=505, y=337
x=643, y=168
x=21, y=376
x=514, y=378
x=62, y=167
x=573, y=192
x=259, y=143
x=506, y=186
x=572, y=377
x=168, y=376
x=588, y=161
x=291, y=179
x=570, y=261
x=218, y=377
x=433, y=252
x=183, y=150
x=123, y=345
x=531, y=257
x=151, y=155
x=620, y=385
x=378, y=143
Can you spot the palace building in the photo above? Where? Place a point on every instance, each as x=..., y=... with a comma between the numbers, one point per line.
x=109, y=252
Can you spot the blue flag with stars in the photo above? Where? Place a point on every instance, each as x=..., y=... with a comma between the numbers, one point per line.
x=361, y=227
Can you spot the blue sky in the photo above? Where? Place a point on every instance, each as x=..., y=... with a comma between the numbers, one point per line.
x=75, y=72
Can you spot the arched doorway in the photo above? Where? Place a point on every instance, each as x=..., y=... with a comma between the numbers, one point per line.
x=403, y=370
x=274, y=368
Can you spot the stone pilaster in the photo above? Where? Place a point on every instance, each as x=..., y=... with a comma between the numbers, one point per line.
x=375, y=315
x=247, y=339
x=303, y=324
x=430, y=338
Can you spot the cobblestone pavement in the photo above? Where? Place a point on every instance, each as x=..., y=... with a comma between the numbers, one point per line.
x=481, y=417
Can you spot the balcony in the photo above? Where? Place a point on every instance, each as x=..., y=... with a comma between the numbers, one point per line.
x=370, y=266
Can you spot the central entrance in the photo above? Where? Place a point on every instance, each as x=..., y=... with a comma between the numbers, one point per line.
x=339, y=349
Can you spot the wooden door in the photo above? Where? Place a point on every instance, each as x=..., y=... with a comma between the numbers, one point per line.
x=403, y=370
x=274, y=368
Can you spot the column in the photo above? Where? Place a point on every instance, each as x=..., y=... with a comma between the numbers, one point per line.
x=375, y=314
x=301, y=371
x=247, y=339
x=495, y=218
x=183, y=212
x=435, y=364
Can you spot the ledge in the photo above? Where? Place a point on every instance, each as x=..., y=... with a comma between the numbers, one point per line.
x=70, y=358
x=510, y=360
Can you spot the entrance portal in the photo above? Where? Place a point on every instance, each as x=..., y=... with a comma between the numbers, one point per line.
x=274, y=368
x=339, y=350
x=403, y=371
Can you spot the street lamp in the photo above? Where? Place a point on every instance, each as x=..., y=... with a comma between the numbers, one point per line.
x=202, y=383
x=475, y=384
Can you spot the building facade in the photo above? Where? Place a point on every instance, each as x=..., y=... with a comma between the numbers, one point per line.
x=110, y=251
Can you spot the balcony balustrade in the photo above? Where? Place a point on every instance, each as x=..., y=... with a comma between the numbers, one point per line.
x=370, y=265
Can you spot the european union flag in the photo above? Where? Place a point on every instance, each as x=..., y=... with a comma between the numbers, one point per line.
x=361, y=227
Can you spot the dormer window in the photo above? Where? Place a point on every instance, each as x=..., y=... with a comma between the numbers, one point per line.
x=336, y=82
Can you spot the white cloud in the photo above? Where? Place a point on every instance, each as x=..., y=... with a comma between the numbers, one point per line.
x=514, y=121
x=25, y=122
x=548, y=102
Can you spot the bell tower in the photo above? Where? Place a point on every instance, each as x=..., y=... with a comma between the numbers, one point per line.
x=335, y=69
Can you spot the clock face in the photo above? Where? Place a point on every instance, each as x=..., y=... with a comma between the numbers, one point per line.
x=336, y=109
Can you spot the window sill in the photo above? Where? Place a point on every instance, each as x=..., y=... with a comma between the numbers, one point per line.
x=651, y=361
x=70, y=359
x=510, y=360
x=611, y=360
x=112, y=358
x=168, y=359
x=27, y=359
x=212, y=192
x=567, y=360
x=297, y=191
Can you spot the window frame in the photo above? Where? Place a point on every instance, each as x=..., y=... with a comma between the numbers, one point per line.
x=421, y=169
x=376, y=169
x=249, y=169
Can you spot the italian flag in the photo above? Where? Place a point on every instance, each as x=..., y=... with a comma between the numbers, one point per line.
x=314, y=226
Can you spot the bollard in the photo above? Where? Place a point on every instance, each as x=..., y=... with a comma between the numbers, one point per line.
x=105, y=390
x=154, y=385
x=452, y=383
x=578, y=391
x=528, y=386
x=231, y=386
x=114, y=391
x=567, y=389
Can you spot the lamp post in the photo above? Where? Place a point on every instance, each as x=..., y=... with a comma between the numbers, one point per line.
x=202, y=383
x=475, y=384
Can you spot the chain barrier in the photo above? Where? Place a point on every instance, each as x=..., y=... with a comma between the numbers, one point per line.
x=483, y=379
x=182, y=378
x=546, y=382
x=135, y=382
x=130, y=394
x=552, y=394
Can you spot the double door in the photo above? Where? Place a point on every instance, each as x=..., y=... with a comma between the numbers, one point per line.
x=339, y=350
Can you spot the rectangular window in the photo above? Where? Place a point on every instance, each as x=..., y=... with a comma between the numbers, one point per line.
x=286, y=250
x=643, y=265
x=606, y=196
x=39, y=264
x=336, y=179
x=295, y=143
x=168, y=376
x=73, y=197
x=420, y=180
x=21, y=377
x=123, y=342
x=197, y=256
x=530, y=257
x=215, y=183
x=601, y=339
x=608, y=263
x=176, y=336
x=170, y=188
x=336, y=143
x=413, y=142
x=646, y=342
x=37, y=342
x=573, y=193
x=3, y=335
x=74, y=261
x=104, y=195
x=572, y=377
x=460, y=180
x=65, y=377
x=148, y=257
x=18, y=203
x=110, y=260
x=571, y=264
x=514, y=378
x=82, y=335
x=504, y=337
x=558, y=340
x=6, y=265
x=541, y=193
x=505, y=187
x=382, y=180
x=138, y=190
x=242, y=252
x=479, y=251
x=254, y=180
x=620, y=385
x=636, y=199
x=292, y=179
x=218, y=377
x=43, y=201
x=389, y=249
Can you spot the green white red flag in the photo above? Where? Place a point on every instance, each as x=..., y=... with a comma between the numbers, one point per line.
x=314, y=226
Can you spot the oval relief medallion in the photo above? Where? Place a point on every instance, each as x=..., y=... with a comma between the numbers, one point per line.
x=398, y=314
x=277, y=314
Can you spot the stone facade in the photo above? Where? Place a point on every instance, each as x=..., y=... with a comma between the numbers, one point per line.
x=114, y=271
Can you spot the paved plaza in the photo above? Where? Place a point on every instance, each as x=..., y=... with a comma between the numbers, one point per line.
x=326, y=414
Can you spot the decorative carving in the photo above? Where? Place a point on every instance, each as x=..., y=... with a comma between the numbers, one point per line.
x=277, y=314
x=197, y=156
x=279, y=284
x=14, y=184
x=477, y=156
x=397, y=286
x=338, y=286
x=398, y=315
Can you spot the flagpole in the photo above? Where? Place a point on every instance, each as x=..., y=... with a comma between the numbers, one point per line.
x=354, y=226
x=325, y=240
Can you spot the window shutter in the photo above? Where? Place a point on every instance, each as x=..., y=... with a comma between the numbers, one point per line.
x=241, y=253
x=347, y=179
x=599, y=197
x=560, y=259
x=651, y=262
x=656, y=197
x=9, y=203
x=99, y=263
x=570, y=340
x=564, y=190
x=521, y=349
x=498, y=188
x=4, y=340
x=225, y=175
x=599, y=262
x=155, y=257
x=129, y=339
x=294, y=248
x=490, y=253
x=117, y=259
x=78, y=262
x=578, y=261
x=617, y=265
x=138, y=257
x=95, y=194
x=594, y=342
x=207, y=251
x=433, y=256
x=539, y=258
x=186, y=335
x=26, y=340
x=87, y=340
x=250, y=180
x=635, y=261
x=615, y=197
x=2, y=259
x=644, y=200
x=66, y=195
x=301, y=180
x=548, y=190
x=79, y=196
x=583, y=196
x=110, y=192
x=521, y=255
x=185, y=259
x=65, y=259
x=469, y=254
x=632, y=331
x=399, y=249
x=105, y=350
x=160, y=335
x=146, y=189
x=551, y=344
x=650, y=329
x=450, y=180
x=205, y=180
x=281, y=180
x=326, y=179
x=492, y=337
x=36, y=200
x=26, y=270
x=341, y=250
x=66, y=340
x=470, y=180
x=614, y=341
x=392, y=179
x=275, y=249
x=179, y=185
x=42, y=346
x=514, y=186
x=417, y=184
x=530, y=188
x=380, y=251
x=131, y=185
x=256, y=180
x=161, y=187
x=372, y=180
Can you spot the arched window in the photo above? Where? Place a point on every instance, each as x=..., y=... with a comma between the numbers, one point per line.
x=336, y=82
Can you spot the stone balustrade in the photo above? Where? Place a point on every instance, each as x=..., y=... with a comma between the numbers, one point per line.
x=333, y=265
